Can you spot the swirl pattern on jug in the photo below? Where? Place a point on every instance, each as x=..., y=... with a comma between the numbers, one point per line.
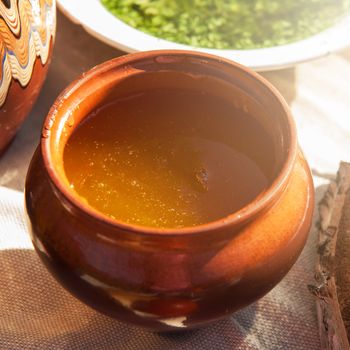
x=27, y=29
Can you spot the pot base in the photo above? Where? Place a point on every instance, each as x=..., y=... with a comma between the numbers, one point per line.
x=242, y=272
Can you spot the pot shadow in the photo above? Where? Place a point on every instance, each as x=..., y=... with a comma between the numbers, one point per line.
x=285, y=82
x=37, y=313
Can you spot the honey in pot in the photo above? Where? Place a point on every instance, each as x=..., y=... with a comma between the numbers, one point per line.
x=168, y=158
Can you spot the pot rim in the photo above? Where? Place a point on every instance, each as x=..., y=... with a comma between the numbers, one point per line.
x=243, y=215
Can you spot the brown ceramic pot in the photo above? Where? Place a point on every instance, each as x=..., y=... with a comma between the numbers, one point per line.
x=26, y=40
x=168, y=279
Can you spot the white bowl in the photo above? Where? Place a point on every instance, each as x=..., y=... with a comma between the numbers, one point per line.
x=100, y=23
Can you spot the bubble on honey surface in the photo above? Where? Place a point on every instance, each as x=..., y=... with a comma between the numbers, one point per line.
x=202, y=179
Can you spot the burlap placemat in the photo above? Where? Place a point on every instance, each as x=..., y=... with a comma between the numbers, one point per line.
x=36, y=313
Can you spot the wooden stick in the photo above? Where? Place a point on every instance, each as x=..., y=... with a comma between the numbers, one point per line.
x=333, y=264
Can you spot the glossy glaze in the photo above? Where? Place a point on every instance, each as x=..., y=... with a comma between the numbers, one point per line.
x=168, y=279
x=27, y=30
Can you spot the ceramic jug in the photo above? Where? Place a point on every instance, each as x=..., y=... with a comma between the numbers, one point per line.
x=27, y=31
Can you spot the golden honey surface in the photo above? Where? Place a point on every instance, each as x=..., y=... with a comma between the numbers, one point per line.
x=168, y=159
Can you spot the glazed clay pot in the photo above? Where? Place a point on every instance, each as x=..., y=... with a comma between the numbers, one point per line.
x=168, y=279
x=26, y=40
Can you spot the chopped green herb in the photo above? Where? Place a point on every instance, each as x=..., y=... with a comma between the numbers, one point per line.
x=230, y=24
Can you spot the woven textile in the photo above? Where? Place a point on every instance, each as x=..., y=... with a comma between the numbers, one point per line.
x=37, y=313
